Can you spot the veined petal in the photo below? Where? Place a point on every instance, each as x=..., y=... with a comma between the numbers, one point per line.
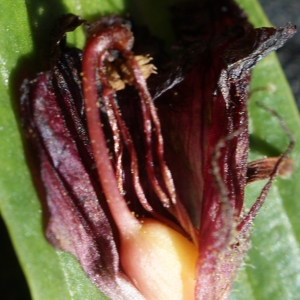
x=205, y=123
x=80, y=221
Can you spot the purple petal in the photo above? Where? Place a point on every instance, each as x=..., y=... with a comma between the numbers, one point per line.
x=79, y=218
x=204, y=121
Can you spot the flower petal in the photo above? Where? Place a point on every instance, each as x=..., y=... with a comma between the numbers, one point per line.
x=204, y=122
x=79, y=218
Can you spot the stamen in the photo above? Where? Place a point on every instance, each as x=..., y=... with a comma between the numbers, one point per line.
x=107, y=95
x=116, y=37
x=150, y=116
x=121, y=127
x=119, y=38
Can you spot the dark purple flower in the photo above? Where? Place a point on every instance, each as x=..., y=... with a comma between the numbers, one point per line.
x=145, y=180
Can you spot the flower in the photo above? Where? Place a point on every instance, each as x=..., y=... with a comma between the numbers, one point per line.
x=149, y=197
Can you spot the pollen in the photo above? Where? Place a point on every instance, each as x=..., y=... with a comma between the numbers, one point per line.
x=119, y=72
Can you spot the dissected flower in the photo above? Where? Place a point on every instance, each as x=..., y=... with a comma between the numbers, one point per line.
x=145, y=180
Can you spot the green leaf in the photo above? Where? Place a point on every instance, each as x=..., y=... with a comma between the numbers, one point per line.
x=273, y=265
